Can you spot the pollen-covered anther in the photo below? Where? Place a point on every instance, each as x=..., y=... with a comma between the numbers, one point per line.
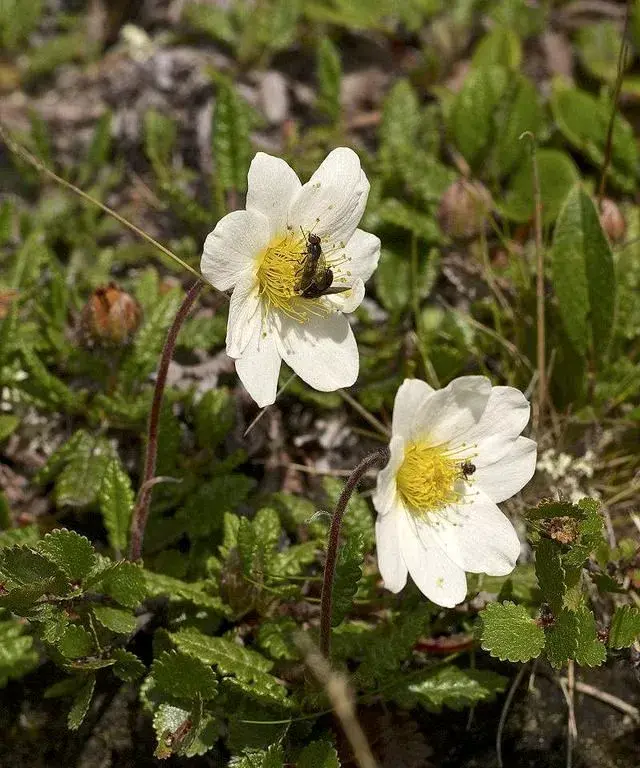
x=427, y=478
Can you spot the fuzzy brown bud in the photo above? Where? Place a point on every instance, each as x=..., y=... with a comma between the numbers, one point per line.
x=464, y=209
x=110, y=317
x=612, y=220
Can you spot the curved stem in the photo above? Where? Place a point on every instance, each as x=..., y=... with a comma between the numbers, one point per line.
x=141, y=510
x=326, y=598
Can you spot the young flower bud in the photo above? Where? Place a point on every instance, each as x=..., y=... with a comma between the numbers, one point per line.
x=110, y=317
x=464, y=209
x=612, y=220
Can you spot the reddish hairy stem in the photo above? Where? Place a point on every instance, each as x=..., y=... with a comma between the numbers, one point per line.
x=326, y=599
x=141, y=510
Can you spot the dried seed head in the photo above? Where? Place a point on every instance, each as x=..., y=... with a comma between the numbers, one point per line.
x=110, y=317
x=464, y=209
x=612, y=220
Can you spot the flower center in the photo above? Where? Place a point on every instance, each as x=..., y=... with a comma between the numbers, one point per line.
x=280, y=272
x=426, y=480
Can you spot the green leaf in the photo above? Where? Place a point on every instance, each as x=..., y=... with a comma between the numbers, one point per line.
x=179, y=675
x=318, y=754
x=8, y=425
x=229, y=491
x=450, y=686
x=599, y=50
x=548, y=509
x=161, y=585
x=128, y=666
x=211, y=20
x=117, y=620
x=75, y=642
x=398, y=214
x=126, y=584
x=275, y=636
x=347, y=576
x=625, y=627
x=399, y=127
x=562, y=638
x=177, y=729
x=557, y=173
x=583, y=274
x=591, y=652
x=550, y=573
x=215, y=417
x=80, y=480
x=231, y=145
x=501, y=46
x=471, y=117
x=329, y=74
x=98, y=153
x=22, y=567
x=116, y=499
x=357, y=518
x=17, y=654
x=73, y=553
x=584, y=121
x=509, y=633
x=254, y=758
x=46, y=387
x=81, y=704
x=159, y=140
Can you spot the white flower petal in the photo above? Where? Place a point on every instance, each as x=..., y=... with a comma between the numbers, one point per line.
x=362, y=253
x=322, y=351
x=272, y=185
x=434, y=573
x=332, y=202
x=230, y=251
x=410, y=397
x=349, y=300
x=390, y=561
x=506, y=415
x=245, y=313
x=385, y=495
x=475, y=535
x=450, y=413
x=509, y=474
x=259, y=368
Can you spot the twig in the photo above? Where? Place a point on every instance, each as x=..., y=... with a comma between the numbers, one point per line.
x=570, y=696
x=326, y=599
x=540, y=308
x=505, y=711
x=364, y=413
x=614, y=108
x=36, y=163
x=341, y=697
x=141, y=511
x=606, y=698
x=264, y=410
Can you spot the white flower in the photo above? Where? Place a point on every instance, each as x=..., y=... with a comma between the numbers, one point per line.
x=261, y=253
x=455, y=453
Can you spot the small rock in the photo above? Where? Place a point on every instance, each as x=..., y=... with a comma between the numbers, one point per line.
x=274, y=97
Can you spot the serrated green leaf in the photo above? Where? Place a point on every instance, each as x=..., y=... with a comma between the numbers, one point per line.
x=291, y=561
x=247, y=546
x=128, y=666
x=78, y=483
x=501, y=46
x=273, y=757
x=116, y=499
x=394, y=212
x=125, y=583
x=347, y=576
x=231, y=145
x=17, y=654
x=275, y=636
x=450, y=686
x=550, y=573
x=31, y=573
x=471, y=117
x=173, y=726
x=625, y=627
x=47, y=387
x=29, y=536
x=159, y=140
x=182, y=676
x=75, y=642
x=557, y=173
x=71, y=552
x=81, y=704
x=116, y=619
x=509, y=633
x=161, y=585
x=562, y=639
x=548, y=509
x=215, y=417
x=399, y=127
x=357, y=518
x=329, y=74
x=591, y=652
x=599, y=50
x=318, y=754
x=590, y=536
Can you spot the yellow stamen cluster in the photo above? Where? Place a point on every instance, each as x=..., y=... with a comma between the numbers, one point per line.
x=426, y=480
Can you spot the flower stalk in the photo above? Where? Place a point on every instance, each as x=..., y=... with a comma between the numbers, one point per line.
x=141, y=510
x=326, y=600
